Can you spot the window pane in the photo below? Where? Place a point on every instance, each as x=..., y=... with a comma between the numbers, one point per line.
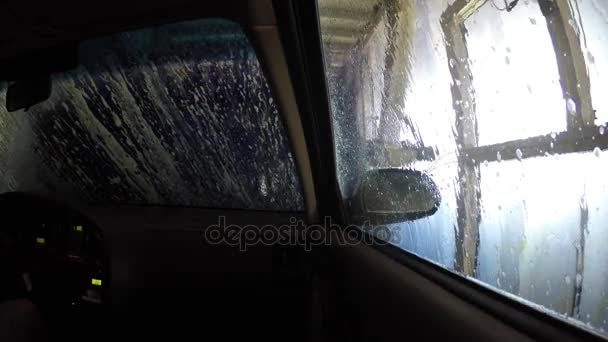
x=591, y=23
x=174, y=115
x=515, y=75
x=543, y=229
x=423, y=85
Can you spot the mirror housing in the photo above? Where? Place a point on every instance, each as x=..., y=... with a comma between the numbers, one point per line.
x=387, y=196
x=24, y=94
x=29, y=75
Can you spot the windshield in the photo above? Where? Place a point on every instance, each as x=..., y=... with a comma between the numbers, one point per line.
x=501, y=103
x=179, y=114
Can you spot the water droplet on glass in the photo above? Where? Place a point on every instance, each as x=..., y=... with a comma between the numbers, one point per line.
x=571, y=106
x=553, y=135
x=590, y=57
x=519, y=154
x=552, y=145
x=567, y=280
x=532, y=21
x=597, y=152
x=498, y=156
x=485, y=163
x=583, y=205
x=579, y=279
x=507, y=60
x=458, y=83
x=602, y=130
x=452, y=62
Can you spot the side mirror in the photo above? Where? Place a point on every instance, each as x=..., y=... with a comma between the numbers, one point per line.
x=388, y=196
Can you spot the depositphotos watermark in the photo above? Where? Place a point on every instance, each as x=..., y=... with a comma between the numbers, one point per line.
x=297, y=233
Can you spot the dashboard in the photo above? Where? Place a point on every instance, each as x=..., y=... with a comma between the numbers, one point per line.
x=55, y=257
x=105, y=272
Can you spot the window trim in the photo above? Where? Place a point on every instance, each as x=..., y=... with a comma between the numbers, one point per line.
x=519, y=314
x=298, y=23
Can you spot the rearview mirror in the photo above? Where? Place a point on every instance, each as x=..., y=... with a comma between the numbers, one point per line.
x=388, y=196
x=24, y=94
x=30, y=74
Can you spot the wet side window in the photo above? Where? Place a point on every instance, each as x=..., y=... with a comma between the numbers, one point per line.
x=180, y=114
x=501, y=103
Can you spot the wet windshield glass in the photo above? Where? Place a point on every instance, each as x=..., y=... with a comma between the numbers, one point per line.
x=173, y=115
x=501, y=103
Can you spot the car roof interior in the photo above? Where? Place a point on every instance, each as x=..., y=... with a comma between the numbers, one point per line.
x=167, y=284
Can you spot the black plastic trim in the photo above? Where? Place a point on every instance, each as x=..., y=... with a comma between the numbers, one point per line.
x=299, y=30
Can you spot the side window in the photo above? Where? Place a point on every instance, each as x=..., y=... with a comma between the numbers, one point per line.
x=180, y=114
x=500, y=103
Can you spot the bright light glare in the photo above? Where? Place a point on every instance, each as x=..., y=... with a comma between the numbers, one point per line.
x=515, y=75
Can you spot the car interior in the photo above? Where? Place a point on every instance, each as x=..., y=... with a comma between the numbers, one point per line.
x=142, y=150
